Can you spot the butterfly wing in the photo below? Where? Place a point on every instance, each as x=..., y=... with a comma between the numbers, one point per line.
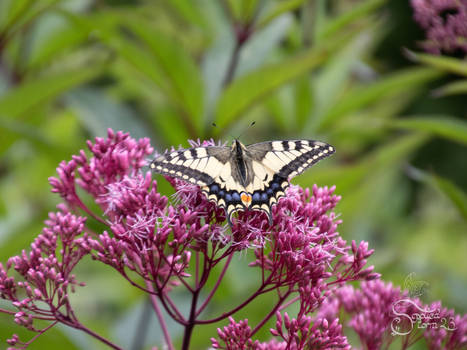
x=198, y=165
x=208, y=167
x=274, y=163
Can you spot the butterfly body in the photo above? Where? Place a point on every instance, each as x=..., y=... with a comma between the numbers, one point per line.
x=243, y=177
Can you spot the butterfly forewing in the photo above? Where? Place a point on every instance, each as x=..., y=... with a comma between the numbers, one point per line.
x=290, y=158
x=198, y=165
x=238, y=178
x=279, y=161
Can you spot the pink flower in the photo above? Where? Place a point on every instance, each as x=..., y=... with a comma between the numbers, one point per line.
x=445, y=24
x=379, y=312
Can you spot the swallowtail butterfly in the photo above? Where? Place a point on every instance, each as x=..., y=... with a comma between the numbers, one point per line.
x=243, y=177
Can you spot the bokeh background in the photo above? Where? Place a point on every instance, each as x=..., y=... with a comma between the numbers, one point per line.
x=348, y=72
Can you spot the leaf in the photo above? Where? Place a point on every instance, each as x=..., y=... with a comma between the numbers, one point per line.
x=170, y=126
x=32, y=93
x=66, y=37
x=349, y=177
x=454, y=193
x=179, y=69
x=190, y=11
x=98, y=112
x=443, y=63
x=279, y=9
x=336, y=75
x=262, y=43
x=303, y=98
x=23, y=12
x=13, y=11
x=285, y=105
x=444, y=126
x=314, y=19
x=140, y=60
x=361, y=96
x=362, y=9
x=248, y=89
x=216, y=59
x=454, y=88
x=457, y=196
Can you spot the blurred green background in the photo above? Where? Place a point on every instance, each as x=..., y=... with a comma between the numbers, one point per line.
x=346, y=72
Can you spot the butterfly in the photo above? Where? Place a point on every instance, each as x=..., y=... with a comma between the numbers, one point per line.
x=243, y=177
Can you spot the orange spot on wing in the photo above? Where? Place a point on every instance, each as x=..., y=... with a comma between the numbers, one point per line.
x=246, y=199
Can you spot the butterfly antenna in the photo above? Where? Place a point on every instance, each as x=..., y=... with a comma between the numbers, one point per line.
x=230, y=135
x=244, y=130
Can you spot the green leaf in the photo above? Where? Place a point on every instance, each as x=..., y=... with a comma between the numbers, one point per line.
x=23, y=12
x=262, y=43
x=280, y=8
x=98, y=112
x=454, y=88
x=336, y=75
x=141, y=60
x=454, y=193
x=250, y=88
x=217, y=57
x=443, y=63
x=361, y=10
x=314, y=19
x=303, y=98
x=387, y=156
x=32, y=93
x=190, y=11
x=12, y=11
x=395, y=151
x=444, y=126
x=170, y=126
x=179, y=69
x=361, y=96
x=66, y=37
x=243, y=10
x=457, y=196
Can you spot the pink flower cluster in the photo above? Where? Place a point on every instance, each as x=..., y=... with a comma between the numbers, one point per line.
x=379, y=313
x=157, y=245
x=445, y=24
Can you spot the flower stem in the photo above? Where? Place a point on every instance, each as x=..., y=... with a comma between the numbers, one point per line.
x=270, y=314
x=83, y=207
x=191, y=321
x=259, y=291
x=233, y=63
x=218, y=282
